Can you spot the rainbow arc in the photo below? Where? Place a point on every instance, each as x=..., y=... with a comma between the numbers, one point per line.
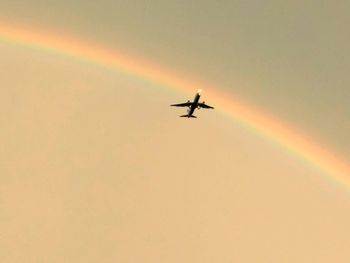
x=294, y=141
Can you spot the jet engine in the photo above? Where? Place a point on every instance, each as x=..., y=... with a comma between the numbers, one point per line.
x=199, y=107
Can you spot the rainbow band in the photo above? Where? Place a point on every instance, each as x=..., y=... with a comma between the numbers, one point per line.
x=292, y=140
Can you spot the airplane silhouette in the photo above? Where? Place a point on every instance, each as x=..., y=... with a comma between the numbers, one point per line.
x=192, y=106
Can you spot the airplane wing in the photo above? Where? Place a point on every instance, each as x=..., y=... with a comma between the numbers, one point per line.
x=205, y=106
x=186, y=104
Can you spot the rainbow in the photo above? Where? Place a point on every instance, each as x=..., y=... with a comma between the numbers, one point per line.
x=292, y=140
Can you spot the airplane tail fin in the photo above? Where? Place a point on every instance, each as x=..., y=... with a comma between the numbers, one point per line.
x=188, y=116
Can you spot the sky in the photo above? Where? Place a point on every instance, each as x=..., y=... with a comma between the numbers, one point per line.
x=96, y=167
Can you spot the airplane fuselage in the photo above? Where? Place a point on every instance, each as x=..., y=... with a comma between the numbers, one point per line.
x=194, y=105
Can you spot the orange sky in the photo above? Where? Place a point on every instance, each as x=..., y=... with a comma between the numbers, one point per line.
x=92, y=171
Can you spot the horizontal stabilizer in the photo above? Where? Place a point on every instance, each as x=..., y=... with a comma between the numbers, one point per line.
x=188, y=116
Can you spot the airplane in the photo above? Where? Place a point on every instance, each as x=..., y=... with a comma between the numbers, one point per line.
x=195, y=104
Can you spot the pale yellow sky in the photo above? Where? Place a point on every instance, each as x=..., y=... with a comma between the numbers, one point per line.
x=95, y=167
